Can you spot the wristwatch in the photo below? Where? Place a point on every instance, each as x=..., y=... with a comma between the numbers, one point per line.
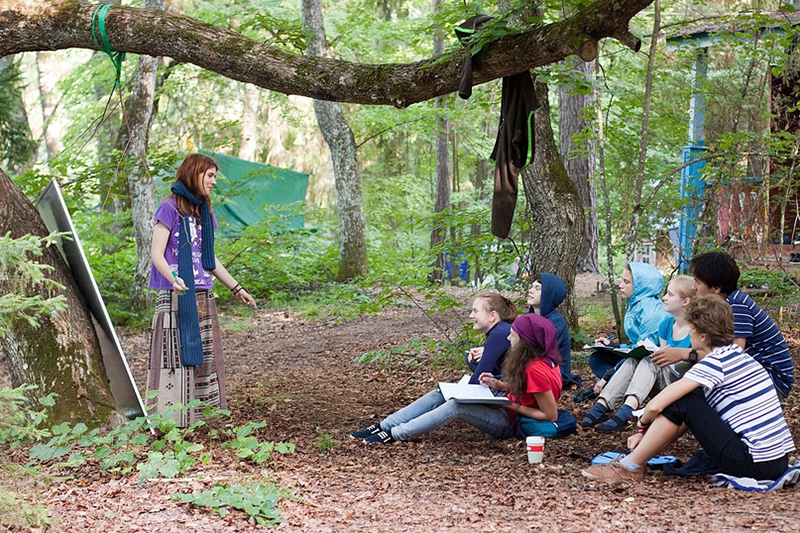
x=693, y=356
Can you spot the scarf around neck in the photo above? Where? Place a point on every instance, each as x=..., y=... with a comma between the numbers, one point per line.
x=188, y=319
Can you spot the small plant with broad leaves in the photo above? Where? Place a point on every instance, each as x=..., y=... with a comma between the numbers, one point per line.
x=257, y=500
x=153, y=445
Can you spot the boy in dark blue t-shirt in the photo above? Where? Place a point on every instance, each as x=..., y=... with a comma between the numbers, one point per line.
x=754, y=330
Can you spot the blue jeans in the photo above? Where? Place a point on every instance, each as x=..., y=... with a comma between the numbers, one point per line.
x=432, y=411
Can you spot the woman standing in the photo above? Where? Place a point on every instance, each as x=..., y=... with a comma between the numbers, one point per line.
x=186, y=360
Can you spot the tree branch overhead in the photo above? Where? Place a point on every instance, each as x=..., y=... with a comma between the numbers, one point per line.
x=27, y=25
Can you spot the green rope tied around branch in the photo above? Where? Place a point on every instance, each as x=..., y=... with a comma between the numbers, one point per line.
x=99, y=26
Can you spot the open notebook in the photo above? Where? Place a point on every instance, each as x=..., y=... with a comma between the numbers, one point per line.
x=465, y=392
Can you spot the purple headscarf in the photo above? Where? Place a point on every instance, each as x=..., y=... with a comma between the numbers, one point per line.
x=539, y=331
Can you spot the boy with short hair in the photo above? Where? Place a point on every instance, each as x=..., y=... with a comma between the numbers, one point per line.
x=754, y=330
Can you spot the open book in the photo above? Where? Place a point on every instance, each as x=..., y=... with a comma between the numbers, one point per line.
x=465, y=392
x=639, y=352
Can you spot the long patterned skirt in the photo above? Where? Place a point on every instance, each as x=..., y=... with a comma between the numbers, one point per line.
x=176, y=384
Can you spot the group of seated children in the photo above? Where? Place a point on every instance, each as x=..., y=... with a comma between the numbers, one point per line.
x=720, y=370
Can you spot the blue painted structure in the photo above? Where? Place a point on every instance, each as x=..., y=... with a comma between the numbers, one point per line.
x=692, y=181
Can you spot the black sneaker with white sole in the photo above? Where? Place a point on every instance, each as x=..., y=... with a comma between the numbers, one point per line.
x=384, y=437
x=366, y=432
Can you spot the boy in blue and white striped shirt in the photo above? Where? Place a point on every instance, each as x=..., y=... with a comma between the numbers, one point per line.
x=726, y=400
x=754, y=330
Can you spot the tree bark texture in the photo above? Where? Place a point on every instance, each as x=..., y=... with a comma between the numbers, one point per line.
x=342, y=144
x=62, y=355
x=60, y=24
x=579, y=159
x=636, y=215
x=52, y=141
x=250, y=124
x=601, y=177
x=135, y=135
x=21, y=154
x=556, y=209
x=442, y=189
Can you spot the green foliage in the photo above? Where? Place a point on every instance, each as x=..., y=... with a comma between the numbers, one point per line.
x=440, y=352
x=151, y=445
x=20, y=271
x=16, y=145
x=19, y=502
x=247, y=446
x=324, y=441
x=18, y=422
x=257, y=500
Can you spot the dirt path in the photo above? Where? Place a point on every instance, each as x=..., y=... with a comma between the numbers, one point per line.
x=304, y=379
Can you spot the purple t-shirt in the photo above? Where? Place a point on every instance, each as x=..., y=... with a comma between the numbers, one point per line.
x=167, y=214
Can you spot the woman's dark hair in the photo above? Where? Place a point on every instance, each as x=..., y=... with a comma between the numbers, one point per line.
x=190, y=173
x=712, y=315
x=494, y=301
x=515, y=363
x=718, y=270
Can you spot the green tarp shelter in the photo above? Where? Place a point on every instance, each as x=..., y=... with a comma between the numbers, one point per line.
x=250, y=191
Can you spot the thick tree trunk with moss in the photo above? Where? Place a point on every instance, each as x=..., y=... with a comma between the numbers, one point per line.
x=342, y=144
x=59, y=24
x=556, y=209
x=62, y=355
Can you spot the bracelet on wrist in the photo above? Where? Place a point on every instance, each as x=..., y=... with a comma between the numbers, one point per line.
x=235, y=287
x=642, y=429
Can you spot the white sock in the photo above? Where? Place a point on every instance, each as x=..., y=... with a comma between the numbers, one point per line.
x=627, y=464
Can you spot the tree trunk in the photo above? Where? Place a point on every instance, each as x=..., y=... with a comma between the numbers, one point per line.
x=62, y=355
x=556, y=209
x=60, y=24
x=250, y=124
x=442, y=188
x=579, y=159
x=601, y=176
x=18, y=148
x=135, y=134
x=636, y=215
x=52, y=142
x=342, y=144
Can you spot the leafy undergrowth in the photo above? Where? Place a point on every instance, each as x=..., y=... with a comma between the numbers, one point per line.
x=153, y=446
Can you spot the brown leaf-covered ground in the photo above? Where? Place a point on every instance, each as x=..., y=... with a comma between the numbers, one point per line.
x=305, y=380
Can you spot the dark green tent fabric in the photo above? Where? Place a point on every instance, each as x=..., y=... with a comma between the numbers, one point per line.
x=246, y=192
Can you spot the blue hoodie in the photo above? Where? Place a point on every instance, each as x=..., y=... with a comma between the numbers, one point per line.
x=645, y=308
x=553, y=293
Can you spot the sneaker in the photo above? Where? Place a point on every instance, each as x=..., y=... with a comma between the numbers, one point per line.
x=613, y=472
x=366, y=432
x=585, y=394
x=384, y=437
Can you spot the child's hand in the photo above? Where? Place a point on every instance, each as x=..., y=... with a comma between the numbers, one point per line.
x=598, y=386
x=668, y=356
x=605, y=341
x=487, y=379
x=634, y=440
x=475, y=354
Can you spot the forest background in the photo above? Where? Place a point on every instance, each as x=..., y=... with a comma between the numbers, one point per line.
x=424, y=170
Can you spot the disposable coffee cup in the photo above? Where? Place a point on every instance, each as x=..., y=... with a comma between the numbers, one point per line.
x=535, y=447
